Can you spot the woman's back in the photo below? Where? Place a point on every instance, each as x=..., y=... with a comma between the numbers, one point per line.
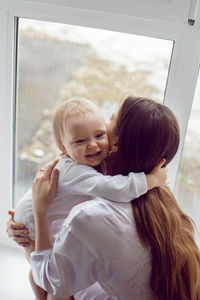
x=107, y=230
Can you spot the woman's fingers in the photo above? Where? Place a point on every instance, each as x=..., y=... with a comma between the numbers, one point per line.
x=159, y=166
x=47, y=169
x=17, y=236
x=16, y=226
x=15, y=232
x=11, y=212
x=161, y=163
x=44, y=187
x=11, y=224
x=54, y=179
x=24, y=244
x=21, y=239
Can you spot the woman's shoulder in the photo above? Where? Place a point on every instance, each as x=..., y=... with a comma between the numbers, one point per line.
x=99, y=215
x=84, y=210
x=105, y=227
x=99, y=206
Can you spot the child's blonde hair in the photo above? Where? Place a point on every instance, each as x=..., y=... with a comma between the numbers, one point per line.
x=66, y=110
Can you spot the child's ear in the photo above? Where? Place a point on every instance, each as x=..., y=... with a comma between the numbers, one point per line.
x=62, y=148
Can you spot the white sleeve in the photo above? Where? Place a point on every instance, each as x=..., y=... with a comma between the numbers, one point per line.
x=66, y=268
x=84, y=180
x=24, y=213
x=95, y=291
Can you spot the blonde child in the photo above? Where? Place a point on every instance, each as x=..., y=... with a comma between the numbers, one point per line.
x=80, y=133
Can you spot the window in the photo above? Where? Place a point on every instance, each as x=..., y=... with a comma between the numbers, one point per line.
x=188, y=182
x=151, y=32
x=58, y=61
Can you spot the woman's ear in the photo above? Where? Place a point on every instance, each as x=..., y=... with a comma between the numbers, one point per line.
x=114, y=147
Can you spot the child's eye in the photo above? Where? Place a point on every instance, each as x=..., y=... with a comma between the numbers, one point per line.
x=99, y=135
x=80, y=141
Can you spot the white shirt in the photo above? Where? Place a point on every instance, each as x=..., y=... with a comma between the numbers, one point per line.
x=93, y=292
x=78, y=183
x=98, y=243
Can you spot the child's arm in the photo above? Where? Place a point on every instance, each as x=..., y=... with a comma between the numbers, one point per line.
x=84, y=180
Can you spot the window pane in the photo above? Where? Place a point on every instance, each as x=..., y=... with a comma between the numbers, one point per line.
x=57, y=61
x=188, y=182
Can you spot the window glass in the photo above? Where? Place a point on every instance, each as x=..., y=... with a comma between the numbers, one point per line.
x=187, y=188
x=59, y=61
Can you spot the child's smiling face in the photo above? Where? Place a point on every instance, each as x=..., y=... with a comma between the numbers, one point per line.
x=86, y=139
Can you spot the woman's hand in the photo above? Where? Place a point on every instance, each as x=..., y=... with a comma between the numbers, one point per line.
x=17, y=231
x=44, y=188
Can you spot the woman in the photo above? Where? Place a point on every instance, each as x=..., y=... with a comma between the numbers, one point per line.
x=139, y=250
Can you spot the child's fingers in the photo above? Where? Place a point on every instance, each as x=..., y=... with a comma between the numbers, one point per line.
x=161, y=163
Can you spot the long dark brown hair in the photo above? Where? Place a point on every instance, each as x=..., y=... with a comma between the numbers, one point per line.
x=148, y=131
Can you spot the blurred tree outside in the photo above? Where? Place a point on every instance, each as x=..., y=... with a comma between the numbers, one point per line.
x=52, y=71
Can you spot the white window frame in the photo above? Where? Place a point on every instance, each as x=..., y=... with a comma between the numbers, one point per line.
x=182, y=74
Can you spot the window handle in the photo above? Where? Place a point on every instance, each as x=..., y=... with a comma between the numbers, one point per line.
x=193, y=11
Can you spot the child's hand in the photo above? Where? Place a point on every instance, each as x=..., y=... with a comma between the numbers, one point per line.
x=157, y=176
x=44, y=188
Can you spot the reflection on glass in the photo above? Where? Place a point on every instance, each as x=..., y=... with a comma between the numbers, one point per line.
x=57, y=61
x=188, y=182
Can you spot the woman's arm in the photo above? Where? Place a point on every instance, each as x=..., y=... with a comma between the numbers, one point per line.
x=65, y=266
x=43, y=191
